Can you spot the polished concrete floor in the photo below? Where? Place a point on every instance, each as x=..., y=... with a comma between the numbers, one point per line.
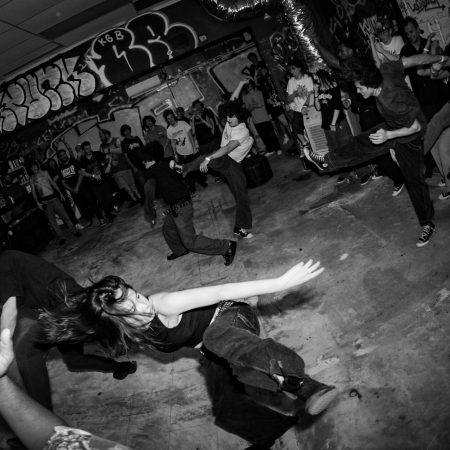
x=375, y=323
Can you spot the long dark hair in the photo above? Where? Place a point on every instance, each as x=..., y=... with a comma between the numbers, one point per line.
x=92, y=315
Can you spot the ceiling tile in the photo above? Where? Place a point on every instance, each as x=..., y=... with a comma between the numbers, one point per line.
x=11, y=38
x=17, y=11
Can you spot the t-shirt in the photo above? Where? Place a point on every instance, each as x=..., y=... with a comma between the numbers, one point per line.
x=179, y=133
x=69, y=172
x=238, y=133
x=396, y=103
x=394, y=47
x=113, y=143
x=132, y=147
x=157, y=133
x=34, y=281
x=169, y=184
x=94, y=165
x=254, y=102
x=330, y=100
x=203, y=133
x=304, y=87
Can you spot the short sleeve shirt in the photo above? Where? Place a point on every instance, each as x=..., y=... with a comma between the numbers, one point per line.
x=179, y=133
x=132, y=147
x=69, y=172
x=241, y=134
x=304, y=87
x=95, y=165
x=396, y=103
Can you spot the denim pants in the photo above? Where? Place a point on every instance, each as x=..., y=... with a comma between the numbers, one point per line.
x=438, y=123
x=53, y=207
x=236, y=356
x=180, y=234
x=31, y=358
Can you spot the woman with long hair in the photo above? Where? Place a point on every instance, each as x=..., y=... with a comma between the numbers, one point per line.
x=257, y=385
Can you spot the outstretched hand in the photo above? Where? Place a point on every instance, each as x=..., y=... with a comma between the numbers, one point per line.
x=300, y=273
x=6, y=351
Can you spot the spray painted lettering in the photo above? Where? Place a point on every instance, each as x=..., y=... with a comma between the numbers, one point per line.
x=48, y=89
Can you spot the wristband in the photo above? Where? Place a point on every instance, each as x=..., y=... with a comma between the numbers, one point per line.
x=207, y=159
x=426, y=50
x=443, y=59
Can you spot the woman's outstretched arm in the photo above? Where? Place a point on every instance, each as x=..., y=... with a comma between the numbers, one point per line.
x=173, y=303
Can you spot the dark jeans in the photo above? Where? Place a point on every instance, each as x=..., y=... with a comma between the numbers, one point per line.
x=267, y=134
x=237, y=356
x=85, y=202
x=194, y=176
x=180, y=234
x=389, y=168
x=409, y=156
x=101, y=192
x=31, y=358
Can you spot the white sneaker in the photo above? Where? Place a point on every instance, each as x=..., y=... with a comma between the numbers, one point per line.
x=397, y=190
x=442, y=183
x=427, y=232
x=444, y=196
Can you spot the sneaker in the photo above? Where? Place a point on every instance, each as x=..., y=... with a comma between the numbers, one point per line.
x=124, y=369
x=173, y=256
x=230, y=253
x=341, y=180
x=320, y=400
x=315, y=158
x=365, y=179
x=78, y=226
x=444, y=195
x=442, y=183
x=397, y=190
x=242, y=233
x=427, y=232
x=376, y=175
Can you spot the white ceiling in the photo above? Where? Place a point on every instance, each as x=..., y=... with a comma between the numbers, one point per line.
x=31, y=30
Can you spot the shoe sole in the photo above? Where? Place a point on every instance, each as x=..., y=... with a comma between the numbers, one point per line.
x=444, y=198
x=395, y=193
x=318, y=402
x=249, y=236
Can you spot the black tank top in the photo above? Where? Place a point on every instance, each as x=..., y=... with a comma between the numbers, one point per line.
x=188, y=333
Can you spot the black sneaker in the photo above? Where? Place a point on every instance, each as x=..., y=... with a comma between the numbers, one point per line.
x=315, y=158
x=365, y=179
x=124, y=369
x=173, y=256
x=242, y=233
x=427, y=232
x=229, y=254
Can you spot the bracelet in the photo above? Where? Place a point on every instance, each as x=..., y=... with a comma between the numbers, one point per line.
x=207, y=159
x=426, y=50
x=443, y=59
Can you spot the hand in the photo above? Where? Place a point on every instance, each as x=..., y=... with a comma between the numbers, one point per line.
x=204, y=166
x=299, y=274
x=380, y=137
x=304, y=110
x=62, y=197
x=431, y=36
x=39, y=205
x=346, y=102
x=6, y=351
x=378, y=47
x=333, y=127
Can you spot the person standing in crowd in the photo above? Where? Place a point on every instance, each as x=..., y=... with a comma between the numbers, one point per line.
x=120, y=169
x=93, y=167
x=180, y=114
x=385, y=47
x=182, y=141
x=235, y=145
x=203, y=124
x=402, y=131
x=27, y=284
x=300, y=95
x=153, y=132
x=253, y=101
x=71, y=179
x=254, y=71
x=258, y=387
x=178, y=228
x=132, y=148
x=45, y=193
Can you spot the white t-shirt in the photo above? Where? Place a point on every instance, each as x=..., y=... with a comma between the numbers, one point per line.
x=179, y=133
x=241, y=134
x=304, y=87
x=394, y=47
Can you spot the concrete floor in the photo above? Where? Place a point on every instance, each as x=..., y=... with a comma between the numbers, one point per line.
x=375, y=323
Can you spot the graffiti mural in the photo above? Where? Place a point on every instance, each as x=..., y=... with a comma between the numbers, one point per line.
x=45, y=90
x=144, y=42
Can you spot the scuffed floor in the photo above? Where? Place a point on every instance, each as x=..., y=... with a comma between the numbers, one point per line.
x=375, y=323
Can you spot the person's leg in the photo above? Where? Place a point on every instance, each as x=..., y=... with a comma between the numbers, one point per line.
x=237, y=182
x=61, y=211
x=196, y=242
x=390, y=169
x=267, y=133
x=439, y=122
x=410, y=159
x=105, y=197
x=149, y=200
x=51, y=217
x=31, y=359
x=441, y=153
x=172, y=238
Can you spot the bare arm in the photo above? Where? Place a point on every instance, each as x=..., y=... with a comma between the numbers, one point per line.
x=389, y=56
x=375, y=56
x=54, y=185
x=382, y=135
x=32, y=423
x=8, y=318
x=171, y=304
x=422, y=58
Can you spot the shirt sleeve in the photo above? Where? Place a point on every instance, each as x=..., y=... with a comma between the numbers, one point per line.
x=309, y=84
x=186, y=126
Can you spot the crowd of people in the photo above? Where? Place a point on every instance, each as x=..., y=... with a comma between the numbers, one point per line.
x=257, y=386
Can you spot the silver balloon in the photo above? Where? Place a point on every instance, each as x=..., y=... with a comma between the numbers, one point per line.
x=232, y=10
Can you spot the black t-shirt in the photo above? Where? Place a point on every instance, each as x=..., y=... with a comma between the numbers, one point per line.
x=396, y=103
x=94, y=165
x=35, y=282
x=203, y=133
x=169, y=184
x=69, y=172
x=330, y=100
x=132, y=147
